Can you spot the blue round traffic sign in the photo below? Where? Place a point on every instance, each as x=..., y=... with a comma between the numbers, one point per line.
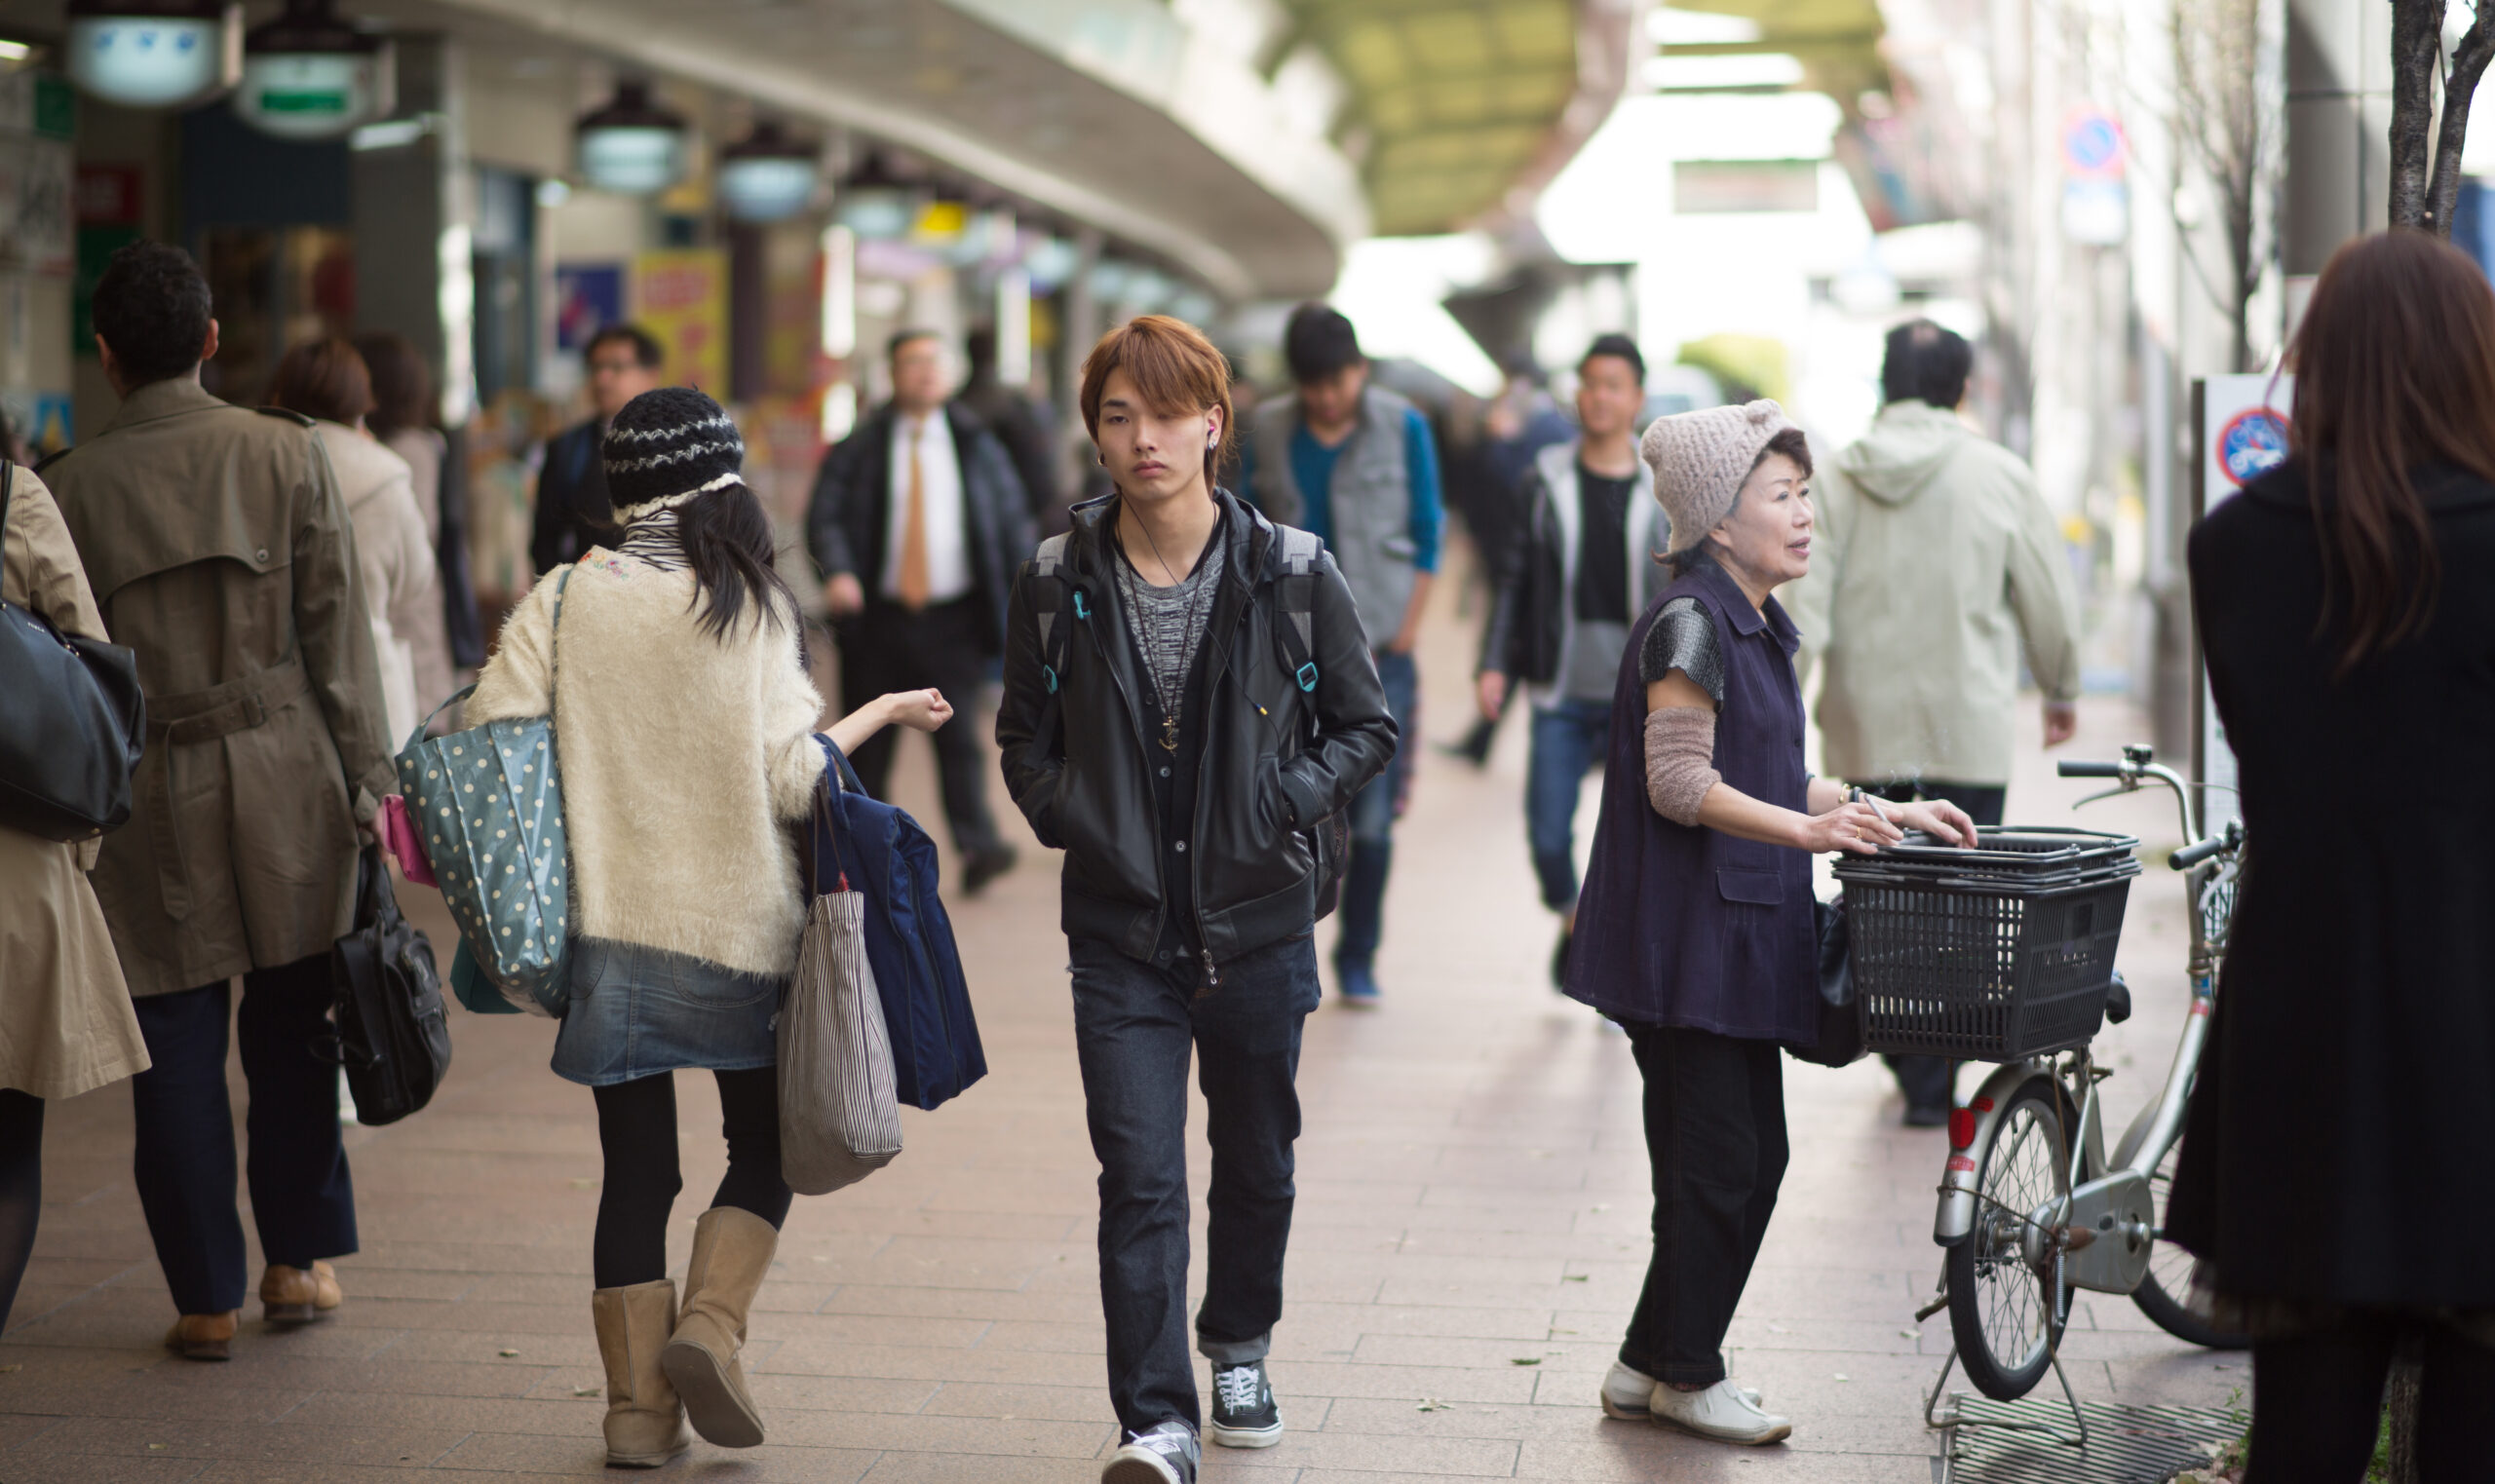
x=2252, y=441
x=2093, y=144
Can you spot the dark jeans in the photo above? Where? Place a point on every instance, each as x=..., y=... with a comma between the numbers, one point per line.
x=302, y=1197
x=21, y=1188
x=1716, y=1136
x=2317, y=1403
x=1930, y=1081
x=1372, y=823
x=1135, y=1024
x=1566, y=742
x=889, y=648
x=637, y=1135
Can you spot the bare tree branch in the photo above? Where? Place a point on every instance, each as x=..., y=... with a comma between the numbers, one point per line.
x=2460, y=87
x=2226, y=132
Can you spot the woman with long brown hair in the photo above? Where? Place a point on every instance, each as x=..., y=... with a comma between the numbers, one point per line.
x=2335, y=1167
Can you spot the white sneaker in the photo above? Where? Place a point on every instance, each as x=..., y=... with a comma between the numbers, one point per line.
x=1166, y=1454
x=1624, y=1393
x=1721, y=1411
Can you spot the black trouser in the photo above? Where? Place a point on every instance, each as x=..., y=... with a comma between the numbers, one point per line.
x=1930, y=1081
x=2317, y=1403
x=302, y=1197
x=889, y=648
x=637, y=1133
x=21, y=1188
x=1716, y=1136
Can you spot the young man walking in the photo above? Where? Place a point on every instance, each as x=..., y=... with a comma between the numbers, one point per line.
x=1355, y=463
x=1188, y=698
x=917, y=519
x=1583, y=572
x=222, y=553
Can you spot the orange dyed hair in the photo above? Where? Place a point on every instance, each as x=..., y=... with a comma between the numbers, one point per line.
x=1176, y=368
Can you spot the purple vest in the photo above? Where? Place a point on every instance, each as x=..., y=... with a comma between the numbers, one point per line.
x=1681, y=925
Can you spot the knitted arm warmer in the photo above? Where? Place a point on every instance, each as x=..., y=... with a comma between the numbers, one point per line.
x=1681, y=751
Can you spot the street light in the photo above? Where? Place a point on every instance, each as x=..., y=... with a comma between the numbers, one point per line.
x=308, y=75
x=767, y=176
x=154, y=54
x=632, y=146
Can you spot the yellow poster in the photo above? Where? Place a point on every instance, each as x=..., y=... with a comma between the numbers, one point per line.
x=682, y=298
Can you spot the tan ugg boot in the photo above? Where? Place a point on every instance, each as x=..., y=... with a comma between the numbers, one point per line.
x=644, y=1420
x=732, y=1252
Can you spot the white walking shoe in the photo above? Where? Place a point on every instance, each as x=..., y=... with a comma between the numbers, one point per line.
x=1624, y=1393
x=1721, y=1412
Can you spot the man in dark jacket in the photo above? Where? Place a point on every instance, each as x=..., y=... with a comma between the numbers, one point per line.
x=1169, y=723
x=623, y=361
x=917, y=521
x=1580, y=571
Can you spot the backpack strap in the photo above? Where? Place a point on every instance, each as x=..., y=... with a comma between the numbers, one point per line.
x=1295, y=598
x=1052, y=594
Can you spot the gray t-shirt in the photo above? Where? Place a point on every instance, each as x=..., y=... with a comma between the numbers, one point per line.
x=1168, y=623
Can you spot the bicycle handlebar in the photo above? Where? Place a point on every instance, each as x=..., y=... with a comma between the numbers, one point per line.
x=2191, y=855
x=2073, y=767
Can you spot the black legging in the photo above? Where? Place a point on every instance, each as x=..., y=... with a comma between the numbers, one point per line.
x=2317, y=1403
x=637, y=1132
x=21, y=1188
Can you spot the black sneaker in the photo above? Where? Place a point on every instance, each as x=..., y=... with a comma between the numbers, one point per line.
x=1559, y=961
x=1166, y=1454
x=1243, y=1414
x=985, y=865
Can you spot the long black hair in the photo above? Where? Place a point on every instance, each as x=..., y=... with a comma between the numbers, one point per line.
x=725, y=538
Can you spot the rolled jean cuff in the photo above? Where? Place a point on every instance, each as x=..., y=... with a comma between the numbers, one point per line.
x=1235, y=1351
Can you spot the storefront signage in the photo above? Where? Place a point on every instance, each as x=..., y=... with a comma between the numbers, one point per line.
x=682, y=298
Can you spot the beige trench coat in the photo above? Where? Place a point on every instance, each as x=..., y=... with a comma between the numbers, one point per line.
x=221, y=553
x=65, y=1022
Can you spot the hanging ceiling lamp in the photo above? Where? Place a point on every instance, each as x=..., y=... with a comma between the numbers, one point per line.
x=632, y=146
x=308, y=75
x=876, y=204
x=154, y=54
x=767, y=175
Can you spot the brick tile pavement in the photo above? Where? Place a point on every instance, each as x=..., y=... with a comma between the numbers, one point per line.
x=1470, y=1232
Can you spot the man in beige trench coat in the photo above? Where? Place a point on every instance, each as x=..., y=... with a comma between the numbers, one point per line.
x=219, y=551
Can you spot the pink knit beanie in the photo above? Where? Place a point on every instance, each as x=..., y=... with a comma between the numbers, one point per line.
x=1700, y=459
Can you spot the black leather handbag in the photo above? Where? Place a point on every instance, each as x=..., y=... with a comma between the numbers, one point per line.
x=393, y=1035
x=1840, y=1042
x=71, y=727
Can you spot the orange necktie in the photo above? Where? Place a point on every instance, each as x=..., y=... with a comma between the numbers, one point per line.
x=913, y=581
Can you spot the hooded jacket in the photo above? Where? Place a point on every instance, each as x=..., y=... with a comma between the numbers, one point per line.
x=1936, y=561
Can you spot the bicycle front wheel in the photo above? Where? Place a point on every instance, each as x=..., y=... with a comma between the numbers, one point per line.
x=2163, y=1288
x=2008, y=1297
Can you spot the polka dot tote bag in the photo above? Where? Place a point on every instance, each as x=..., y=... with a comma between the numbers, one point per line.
x=488, y=803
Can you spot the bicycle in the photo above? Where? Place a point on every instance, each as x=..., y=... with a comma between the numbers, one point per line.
x=2028, y=1213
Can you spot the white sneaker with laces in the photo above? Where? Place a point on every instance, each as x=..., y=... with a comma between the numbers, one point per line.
x=1719, y=1412
x=1624, y=1393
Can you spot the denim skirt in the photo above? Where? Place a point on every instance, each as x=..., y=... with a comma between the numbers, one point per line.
x=636, y=1012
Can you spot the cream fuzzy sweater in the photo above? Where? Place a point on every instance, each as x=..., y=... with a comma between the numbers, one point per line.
x=680, y=757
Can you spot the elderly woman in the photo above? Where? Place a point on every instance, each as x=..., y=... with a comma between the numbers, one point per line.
x=1695, y=929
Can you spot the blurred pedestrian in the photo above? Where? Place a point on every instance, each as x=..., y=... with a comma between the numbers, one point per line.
x=1023, y=423
x=405, y=419
x=1355, y=463
x=2346, y=602
x=1148, y=749
x=1695, y=932
x=65, y=1022
x=220, y=551
x=917, y=521
x=624, y=362
x=1586, y=565
x=1938, y=562
x=326, y=380
x=686, y=885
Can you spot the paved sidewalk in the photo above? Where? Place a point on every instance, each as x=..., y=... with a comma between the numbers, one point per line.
x=1470, y=1235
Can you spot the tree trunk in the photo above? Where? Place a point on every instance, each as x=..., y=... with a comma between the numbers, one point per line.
x=2400, y=1403
x=2468, y=63
x=2416, y=62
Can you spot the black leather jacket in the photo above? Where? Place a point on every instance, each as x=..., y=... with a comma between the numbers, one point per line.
x=1264, y=779
x=1529, y=591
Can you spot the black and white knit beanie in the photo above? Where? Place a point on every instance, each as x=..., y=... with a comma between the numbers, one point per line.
x=667, y=447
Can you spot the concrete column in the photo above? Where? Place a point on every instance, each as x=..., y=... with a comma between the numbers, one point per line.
x=2338, y=130
x=413, y=216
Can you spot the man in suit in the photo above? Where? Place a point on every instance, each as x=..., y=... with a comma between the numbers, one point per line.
x=572, y=509
x=919, y=524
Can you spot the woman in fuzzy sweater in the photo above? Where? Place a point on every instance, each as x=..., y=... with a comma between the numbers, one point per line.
x=684, y=727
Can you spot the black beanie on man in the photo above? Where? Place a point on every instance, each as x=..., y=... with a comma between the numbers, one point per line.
x=667, y=445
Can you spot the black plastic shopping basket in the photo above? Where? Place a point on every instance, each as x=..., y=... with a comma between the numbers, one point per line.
x=1995, y=953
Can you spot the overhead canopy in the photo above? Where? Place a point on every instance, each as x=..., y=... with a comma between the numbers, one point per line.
x=1836, y=41
x=1456, y=103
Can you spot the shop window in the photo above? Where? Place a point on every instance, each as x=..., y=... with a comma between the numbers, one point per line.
x=505, y=265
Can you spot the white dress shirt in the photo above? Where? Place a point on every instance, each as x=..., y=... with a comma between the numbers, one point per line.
x=948, y=553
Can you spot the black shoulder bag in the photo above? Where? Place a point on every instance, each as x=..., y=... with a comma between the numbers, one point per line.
x=392, y=1036
x=72, y=727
